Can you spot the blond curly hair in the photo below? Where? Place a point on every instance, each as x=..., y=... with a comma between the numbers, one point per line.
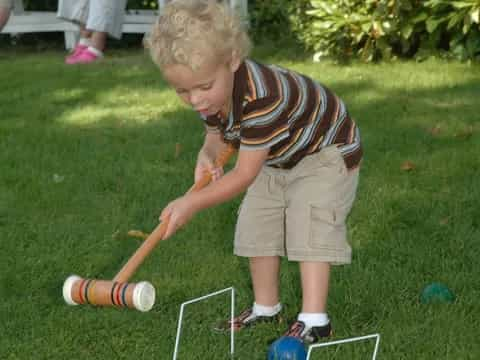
x=197, y=32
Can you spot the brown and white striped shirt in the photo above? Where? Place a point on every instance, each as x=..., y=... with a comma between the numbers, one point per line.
x=288, y=113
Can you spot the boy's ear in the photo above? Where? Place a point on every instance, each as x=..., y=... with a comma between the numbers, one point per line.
x=235, y=61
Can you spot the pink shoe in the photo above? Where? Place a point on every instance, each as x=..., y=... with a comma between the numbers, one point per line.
x=76, y=51
x=84, y=57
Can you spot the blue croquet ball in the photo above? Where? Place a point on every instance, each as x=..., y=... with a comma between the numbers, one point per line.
x=287, y=348
x=436, y=293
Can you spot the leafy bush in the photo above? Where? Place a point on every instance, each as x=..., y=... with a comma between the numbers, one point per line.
x=370, y=29
x=273, y=20
x=374, y=29
x=458, y=22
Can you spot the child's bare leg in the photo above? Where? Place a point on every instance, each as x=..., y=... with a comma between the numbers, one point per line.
x=4, y=15
x=264, y=272
x=84, y=33
x=266, y=307
x=315, y=283
x=99, y=40
x=85, y=36
x=313, y=322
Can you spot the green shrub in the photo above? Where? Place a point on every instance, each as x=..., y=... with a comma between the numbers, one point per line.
x=457, y=22
x=374, y=29
x=370, y=29
x=272, y=20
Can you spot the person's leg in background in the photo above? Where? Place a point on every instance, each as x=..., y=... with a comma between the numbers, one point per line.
x=104, y=18
x=76, y=11
x=5, y=9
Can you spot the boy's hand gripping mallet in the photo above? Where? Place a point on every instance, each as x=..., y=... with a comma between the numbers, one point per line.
x=118, y=292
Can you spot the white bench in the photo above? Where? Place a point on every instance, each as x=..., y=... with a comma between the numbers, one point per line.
x=135, y=22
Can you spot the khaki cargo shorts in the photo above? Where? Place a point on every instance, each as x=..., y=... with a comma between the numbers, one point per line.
x=6, y=3
x=299, y=213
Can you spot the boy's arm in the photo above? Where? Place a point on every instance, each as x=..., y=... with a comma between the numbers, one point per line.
x=248, y=165
x=213, y=144
x=212, y=147
x=236, y=181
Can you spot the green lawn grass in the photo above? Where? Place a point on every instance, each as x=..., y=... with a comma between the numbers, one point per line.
x=88, y=153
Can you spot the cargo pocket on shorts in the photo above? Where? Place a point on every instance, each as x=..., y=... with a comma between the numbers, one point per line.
x=327, y=229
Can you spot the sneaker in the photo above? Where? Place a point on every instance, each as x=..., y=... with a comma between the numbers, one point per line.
x=84, y=57
x=245, y=319
x=309, y=335
x=76, y=51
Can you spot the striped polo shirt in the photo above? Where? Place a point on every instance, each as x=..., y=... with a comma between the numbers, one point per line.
x=288, y=113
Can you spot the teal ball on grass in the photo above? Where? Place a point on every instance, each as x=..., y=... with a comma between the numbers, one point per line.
x=437, y=293
x=287, y=348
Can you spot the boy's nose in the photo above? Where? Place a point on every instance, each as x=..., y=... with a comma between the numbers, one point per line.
x=195, y=99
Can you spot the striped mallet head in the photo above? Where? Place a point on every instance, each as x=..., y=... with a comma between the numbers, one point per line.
x=140, y=296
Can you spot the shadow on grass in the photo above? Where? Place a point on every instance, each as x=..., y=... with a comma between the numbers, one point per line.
x=50, y=84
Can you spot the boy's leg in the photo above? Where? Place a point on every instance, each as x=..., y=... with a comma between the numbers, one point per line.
x=321, y=195
x=264, y=272
x=315, y=282
x=266, y=307
x=259, y=236
x=313, y=322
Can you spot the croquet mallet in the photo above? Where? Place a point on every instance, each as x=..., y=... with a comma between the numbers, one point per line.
x=118, y=292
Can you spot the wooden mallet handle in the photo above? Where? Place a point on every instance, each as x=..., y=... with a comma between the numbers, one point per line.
x=152, y=240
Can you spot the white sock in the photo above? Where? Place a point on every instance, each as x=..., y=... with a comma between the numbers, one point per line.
x=84, y=41
x=95, y=51
x=313, y=319
x=262, y=310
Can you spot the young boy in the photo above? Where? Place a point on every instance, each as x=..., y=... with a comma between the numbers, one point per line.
x=298, y=159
